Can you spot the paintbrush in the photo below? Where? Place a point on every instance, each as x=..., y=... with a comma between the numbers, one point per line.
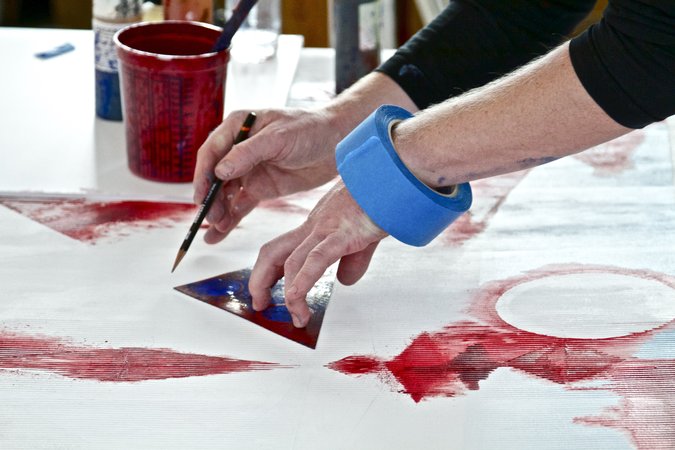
x=230, y=27
x=210, y=196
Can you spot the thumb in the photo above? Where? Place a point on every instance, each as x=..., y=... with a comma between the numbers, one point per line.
x=353, y=266
x=241, y=159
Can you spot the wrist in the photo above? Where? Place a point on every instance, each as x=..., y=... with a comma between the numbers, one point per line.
x=406, y=139
x=378, y=180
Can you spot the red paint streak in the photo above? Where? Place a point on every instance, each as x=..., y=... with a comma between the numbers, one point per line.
x=614, y=156
x=464, y=228
x=646, y=411
x=489, y=195
x=457, y=358
x=127, y=364
x=91, y=221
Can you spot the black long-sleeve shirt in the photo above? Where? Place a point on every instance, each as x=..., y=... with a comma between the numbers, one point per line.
x=626, y=62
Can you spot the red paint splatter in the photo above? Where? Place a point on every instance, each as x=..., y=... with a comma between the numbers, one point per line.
x=614, y=156
x=457, y=358
x=89, y=221
x=127, y=364
x=489, y=195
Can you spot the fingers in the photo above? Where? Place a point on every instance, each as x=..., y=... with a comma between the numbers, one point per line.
x=217, y=210
x=212, y=150
x=238, y=207
x=352, y=267
x=242, y=158
x=269, y=267
x=336, y=228
x=304, y=267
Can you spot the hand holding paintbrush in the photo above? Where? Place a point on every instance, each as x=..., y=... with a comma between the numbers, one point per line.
x=222, y=43
x=211, y=195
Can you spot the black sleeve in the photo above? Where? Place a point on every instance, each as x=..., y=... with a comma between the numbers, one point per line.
x=627, y=61
x=473, y=42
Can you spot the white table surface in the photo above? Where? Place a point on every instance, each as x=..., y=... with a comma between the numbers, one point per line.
x=581, y=248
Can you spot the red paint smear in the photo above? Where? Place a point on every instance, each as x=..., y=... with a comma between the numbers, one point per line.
x=646, y=411
x=127, y=364
x=614, y=156
x=91, y=221
x=457, y=358
x=489, y=195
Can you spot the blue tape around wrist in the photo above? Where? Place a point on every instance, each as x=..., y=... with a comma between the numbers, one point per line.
x=386, y=190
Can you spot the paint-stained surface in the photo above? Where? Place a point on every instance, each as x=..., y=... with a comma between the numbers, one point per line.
x=461, y=356
x=21, y=354
x=544, y=319
x=92, y=221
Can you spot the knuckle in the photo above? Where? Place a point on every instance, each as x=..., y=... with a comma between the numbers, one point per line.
x=279, y=134
x=292, y=263
x=318, y=254
x=267, y=249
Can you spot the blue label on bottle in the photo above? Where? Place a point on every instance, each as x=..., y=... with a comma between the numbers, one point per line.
x=108, y=102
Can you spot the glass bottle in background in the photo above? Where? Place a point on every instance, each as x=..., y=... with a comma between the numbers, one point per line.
x=109, y=16
x=256, y=40
x=355, y=36
x=152, y=11
x=194, y=10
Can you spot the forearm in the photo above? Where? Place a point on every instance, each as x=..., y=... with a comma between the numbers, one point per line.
x=539, y=113
x=353, y=105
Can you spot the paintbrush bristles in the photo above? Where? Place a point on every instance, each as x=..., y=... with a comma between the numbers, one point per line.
x=179, y=257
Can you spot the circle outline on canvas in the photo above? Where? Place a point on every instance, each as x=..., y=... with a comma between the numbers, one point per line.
x=588, y=329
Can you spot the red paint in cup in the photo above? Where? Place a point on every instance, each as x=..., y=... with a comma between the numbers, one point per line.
x=173, y=92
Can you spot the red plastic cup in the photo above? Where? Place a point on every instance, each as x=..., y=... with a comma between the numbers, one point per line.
x=173, y=93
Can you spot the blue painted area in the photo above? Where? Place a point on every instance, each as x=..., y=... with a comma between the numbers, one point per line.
x=237, y=290
x=219, y=286
x=108, y=100
x=662, y=346
x=277, y=314
x=277, y=310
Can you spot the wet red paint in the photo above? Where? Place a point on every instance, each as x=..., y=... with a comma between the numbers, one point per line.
x=489, y=195
x=128, y=364
x=89, y=221
x=614, y=156
x=457, y=358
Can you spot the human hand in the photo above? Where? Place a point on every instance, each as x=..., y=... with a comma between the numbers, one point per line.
x=288, y=151
x=336, y=229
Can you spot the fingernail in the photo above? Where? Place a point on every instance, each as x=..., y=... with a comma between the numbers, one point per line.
x=297, y=323
x=224, y=169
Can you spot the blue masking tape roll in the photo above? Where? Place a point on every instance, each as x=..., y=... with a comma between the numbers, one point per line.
x=386, y=190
